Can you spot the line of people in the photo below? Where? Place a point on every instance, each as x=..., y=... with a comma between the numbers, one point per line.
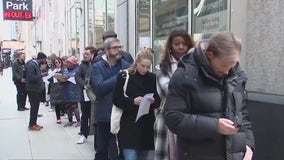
x=198, y=109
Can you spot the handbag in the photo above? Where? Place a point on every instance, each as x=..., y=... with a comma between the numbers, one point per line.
x=89, y=90
x=90, y=93
x=116, y=112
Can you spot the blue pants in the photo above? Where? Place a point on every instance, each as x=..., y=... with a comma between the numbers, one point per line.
x=133, y=154
x=103, y=139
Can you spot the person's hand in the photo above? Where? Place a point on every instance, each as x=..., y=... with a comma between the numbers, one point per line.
x=248, y=154
x=43, y=74
x=152, y=100
x=23, y=80
x=226, y=127
x=137, y=100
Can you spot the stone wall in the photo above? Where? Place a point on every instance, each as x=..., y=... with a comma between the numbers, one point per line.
x=264, y=52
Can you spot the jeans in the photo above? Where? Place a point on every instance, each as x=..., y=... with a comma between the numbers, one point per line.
x=133, y=154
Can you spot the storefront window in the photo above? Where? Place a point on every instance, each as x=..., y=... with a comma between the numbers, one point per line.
x=100, y=26
x=91, y=23
x=104, y=19
x=209, y=16
x=110, y=15
x=143, y=24
x=168, y=15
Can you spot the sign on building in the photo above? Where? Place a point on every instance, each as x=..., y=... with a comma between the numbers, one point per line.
x=210, y=16
x=21, y=10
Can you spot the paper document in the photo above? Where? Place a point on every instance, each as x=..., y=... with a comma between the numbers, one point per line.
x=86, y=98
x=55, y=80
x=144, y=106
x=72, y=80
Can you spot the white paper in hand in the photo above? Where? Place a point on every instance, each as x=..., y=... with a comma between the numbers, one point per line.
x=86, y=98
x=144, y=106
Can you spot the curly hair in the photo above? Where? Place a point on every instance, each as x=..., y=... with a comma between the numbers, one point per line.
x=165, y=63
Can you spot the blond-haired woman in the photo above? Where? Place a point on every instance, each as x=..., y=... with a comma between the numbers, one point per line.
x=136, y=138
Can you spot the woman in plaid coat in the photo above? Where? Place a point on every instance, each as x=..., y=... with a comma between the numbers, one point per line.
x=177, y=45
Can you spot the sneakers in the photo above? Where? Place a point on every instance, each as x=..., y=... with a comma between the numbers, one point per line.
x=68, y=124
x=51, y=110
x=34, y=128
x=81, y=140
x=58, y=121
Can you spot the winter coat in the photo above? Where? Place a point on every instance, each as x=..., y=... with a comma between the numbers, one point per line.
x=83, y=75
x=18, y=70
x=132, y=134
x=34, y=80
x=103, y=78
x=55, y=90
x=195, y=102
x=165, y=148
x=1, y=66
x=71, y=91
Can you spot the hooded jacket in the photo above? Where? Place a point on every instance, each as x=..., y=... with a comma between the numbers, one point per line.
x=103, y=79
x=195, y=102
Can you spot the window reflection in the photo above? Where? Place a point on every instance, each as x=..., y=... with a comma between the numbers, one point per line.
x=143, y=24
x=99, y=21
x=209, y=16
x=74, y=24
x=167, y=16
x=91, y=24
x=110, y=15
x=104, y=19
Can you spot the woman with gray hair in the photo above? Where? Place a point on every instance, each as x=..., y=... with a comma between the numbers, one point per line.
x=206, y=102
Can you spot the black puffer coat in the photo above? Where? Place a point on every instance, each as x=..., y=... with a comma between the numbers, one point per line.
x=195, y=102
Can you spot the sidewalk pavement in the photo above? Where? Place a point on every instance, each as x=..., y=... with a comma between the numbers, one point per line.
x=53, y=142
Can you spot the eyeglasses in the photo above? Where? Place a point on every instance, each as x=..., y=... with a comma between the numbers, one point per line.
x=116, y=47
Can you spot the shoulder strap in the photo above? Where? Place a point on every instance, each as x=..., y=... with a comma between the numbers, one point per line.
x=125, y=83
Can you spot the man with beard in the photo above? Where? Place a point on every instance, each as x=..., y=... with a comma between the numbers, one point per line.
x=18, y=76
x=103, y=78
x=124, y=55
x=35, y=86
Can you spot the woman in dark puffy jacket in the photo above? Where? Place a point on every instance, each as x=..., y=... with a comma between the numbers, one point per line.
x=206, y=103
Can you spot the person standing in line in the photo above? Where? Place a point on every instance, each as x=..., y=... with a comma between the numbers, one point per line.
x=1, y=67
x=71, y=91
x=18, y=76
x=136, y=138
x=206, y=105
x=35, y=86
x=178, y=44
x=55, y=92
x=82, y=77
x=44, y=68
x=103, y=78
x=124, y=55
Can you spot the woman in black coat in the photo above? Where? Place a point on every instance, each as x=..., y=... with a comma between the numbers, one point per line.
x=136, y=138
